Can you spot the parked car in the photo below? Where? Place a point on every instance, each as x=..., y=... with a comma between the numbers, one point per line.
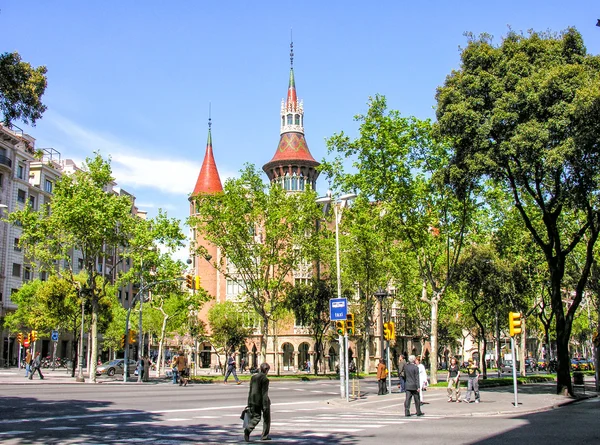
x=115, y=367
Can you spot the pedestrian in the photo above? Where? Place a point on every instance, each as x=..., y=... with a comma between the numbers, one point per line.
x=28, y=363
x=147, y=367
x=182, y=369
x=231, y=370
x=140, y=369
x=242, y=365
x=401, y=375
x=412, y=387
x=423, y=383
x=36, y=365
x=174, y=369
x=308, y=366
x=453, y=381
x=259, y=403
x=472, y=381
x=382, y=377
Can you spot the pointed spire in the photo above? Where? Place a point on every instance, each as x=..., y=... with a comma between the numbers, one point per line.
x=292, y=99
x=292, y=158
x=208, y=180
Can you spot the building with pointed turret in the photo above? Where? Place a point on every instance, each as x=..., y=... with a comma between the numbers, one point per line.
x=295, y=169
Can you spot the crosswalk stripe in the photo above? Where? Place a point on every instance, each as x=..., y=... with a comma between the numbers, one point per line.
x=309, y=424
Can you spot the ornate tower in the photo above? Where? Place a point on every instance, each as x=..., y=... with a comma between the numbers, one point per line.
x=292, y=165
x=208, y=182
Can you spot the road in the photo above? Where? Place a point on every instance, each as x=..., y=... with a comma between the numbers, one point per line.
x=303, y=413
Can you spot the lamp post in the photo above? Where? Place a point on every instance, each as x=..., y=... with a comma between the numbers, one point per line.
x=3, y=208
x=139, y=294
x=338, y=206
x=380, y=295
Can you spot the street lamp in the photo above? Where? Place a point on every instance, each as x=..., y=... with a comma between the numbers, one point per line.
x=380, y=295
x=338, y=206
x=137, y=296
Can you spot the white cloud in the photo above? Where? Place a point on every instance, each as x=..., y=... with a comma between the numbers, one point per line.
x=130, y=167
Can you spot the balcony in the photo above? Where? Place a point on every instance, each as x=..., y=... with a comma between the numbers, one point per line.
x=5, y=160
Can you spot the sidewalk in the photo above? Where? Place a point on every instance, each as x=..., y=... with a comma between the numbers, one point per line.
x=535, y=397
x=62, y=376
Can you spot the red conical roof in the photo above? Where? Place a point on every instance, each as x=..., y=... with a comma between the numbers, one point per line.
x=208, y=179
x=293, y=147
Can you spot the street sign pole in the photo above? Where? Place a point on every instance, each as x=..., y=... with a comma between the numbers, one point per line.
x=514, y=366
x=338, y=310
x=342, y=368
x=347, y=374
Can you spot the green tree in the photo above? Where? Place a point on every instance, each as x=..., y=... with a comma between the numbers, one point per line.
x=226, y=321
x=81, y=217
x=265, y=233
x=525, y=113
x=310, y=305
x=21, y=89
x=401, y=164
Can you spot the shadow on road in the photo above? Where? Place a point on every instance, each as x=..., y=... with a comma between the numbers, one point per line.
x=576, y=424
x=54, y=422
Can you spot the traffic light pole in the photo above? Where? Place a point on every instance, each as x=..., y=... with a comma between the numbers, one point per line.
x=514, y=366
x=347, y=376
x=389, y=367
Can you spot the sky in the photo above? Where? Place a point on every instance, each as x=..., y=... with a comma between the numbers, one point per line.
x=134, y=79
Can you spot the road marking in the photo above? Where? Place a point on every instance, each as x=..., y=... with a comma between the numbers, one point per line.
x=206, y=417
x=14, y=433
x=140, y=413
x=61, y=428
x=309, y=424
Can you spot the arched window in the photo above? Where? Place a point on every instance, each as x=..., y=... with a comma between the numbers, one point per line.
x=282, y=121
x=286, y=182
x=297, y=119
x=289, y=119
x=301, y=183
x=294, y=182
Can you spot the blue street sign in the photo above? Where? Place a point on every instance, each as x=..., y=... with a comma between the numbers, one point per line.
x=338, y=309
x=54, y=335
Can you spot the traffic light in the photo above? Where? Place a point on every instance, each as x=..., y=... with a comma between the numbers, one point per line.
x=197, y=282
x=189, y=281
x=350, y=324
x=514, y=323
x=392, y=328
x=122, y=340
x=34, y=336
x=387, y=332
x=132, y=337
x=20, y=338
x=340, y=327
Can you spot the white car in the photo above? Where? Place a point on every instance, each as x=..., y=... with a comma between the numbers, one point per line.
x=115, y=367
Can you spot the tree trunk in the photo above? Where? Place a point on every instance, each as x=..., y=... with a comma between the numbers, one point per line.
x=482, y=337
x=92, y=365
x=263, y=341
x=434, y=338
x=161, y=357
x=523, y=352
x=563, y=331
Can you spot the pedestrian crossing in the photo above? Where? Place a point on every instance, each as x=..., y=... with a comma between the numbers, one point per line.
x=328, y=423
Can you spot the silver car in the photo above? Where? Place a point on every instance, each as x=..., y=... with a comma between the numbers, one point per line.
x=115, y=367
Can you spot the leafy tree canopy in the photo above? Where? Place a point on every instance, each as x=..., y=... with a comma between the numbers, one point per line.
x=21, y=89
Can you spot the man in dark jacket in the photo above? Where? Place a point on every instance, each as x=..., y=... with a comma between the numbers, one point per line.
x=36, y=365
x=401, y=375
x=259, y=403
x=231, y=370
x=412, y=386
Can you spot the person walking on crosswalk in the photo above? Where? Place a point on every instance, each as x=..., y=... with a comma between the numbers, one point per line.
x=259, y=403
x=412, y=387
